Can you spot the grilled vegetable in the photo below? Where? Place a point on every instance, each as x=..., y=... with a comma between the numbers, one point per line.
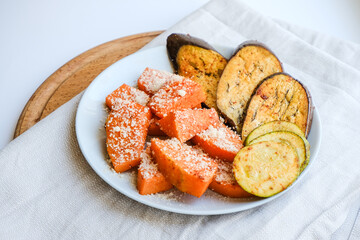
x=279, y=97
x=246, y=69
x=280, y=126
x=279, y=136
x=195, y=59
x=266, y=168
x=271, y=127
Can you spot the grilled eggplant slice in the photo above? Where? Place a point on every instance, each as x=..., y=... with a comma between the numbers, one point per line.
x=296, y=141
x=195, y=59
x=251, y=63
x=279, y=97
x=266, y=168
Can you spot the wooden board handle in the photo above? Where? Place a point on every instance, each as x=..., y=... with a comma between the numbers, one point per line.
x=75, y=75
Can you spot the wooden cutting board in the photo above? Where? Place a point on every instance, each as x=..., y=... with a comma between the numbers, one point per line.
x=75, y=75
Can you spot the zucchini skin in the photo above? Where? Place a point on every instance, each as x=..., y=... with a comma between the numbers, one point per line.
x=273, y=126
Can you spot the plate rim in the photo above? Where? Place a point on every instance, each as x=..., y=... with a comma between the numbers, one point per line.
x=316, y=116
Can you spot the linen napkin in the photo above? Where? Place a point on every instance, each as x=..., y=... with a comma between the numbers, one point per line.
x=49, y=191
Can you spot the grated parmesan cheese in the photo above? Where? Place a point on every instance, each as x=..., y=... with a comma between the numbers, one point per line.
x=181, y=92
x=147, y=165
x=139, y=96
x=221, y=138
x=127, y=93
x=192, y=159
x=153, y=79
x=126, y=132
x=172, y=97
x=224, y=173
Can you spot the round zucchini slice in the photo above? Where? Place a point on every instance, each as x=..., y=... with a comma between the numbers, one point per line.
x=266, y=168
x=280, y=126
x=279, y=136
x=271, y=127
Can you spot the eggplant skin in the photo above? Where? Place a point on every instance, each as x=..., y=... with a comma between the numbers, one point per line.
x=279, y=97
x=195, y=59
x=251, y=63
x=176, y=40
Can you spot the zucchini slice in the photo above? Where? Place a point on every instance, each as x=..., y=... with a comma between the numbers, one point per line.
x=251, y=63
x=280, y=126
x=266, y=168
x=195, y=59
x=271, y=127
x=279, y=136
x=279, y=97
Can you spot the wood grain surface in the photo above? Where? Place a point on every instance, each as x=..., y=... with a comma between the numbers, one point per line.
x=74, y=76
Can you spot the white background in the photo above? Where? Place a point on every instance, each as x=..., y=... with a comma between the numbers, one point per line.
x=39, y=36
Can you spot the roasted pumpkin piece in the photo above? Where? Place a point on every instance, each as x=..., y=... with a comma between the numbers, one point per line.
x=175, y=96
x=151, y=80
x=185, y=124
x=154, y=127
x=245, y=70
x=219, y=141
x=189, y=169
x=125, y=92
x=126, y=130
x=195, y=59
x=150, y=180
x=225, y=183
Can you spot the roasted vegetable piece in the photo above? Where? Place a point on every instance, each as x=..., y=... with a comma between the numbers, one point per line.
x=225, y=183
x=266, y=168
x=280, y=126
x=154, y=127
x=187, y=168
x=246, y=69
x=296, y=141
x=185, y=124
x=279, y=97
x=151, y=80
x=219, y=141
x=126, y=131
x=125, y=92
x=150, y=180
x=175, y=96
x=271, y=127
x=195, y=59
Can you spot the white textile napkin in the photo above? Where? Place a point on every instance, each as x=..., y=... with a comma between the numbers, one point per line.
x=48, y=190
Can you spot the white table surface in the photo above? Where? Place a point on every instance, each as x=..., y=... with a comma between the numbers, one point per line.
x=37, y=37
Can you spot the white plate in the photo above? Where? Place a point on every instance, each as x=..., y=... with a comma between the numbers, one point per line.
x=90, y=119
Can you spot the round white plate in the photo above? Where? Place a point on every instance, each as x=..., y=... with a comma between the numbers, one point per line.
x=90, y=131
